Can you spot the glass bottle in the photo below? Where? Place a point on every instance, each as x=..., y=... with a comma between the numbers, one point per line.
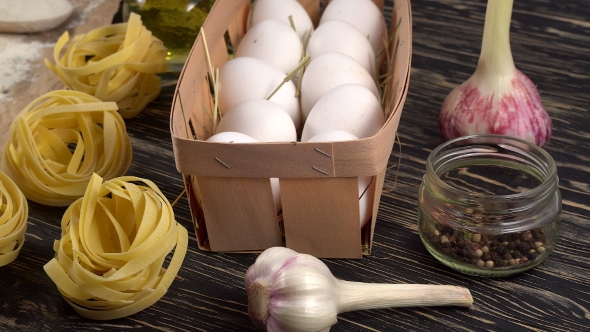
x=489, y=205
x=176, y=22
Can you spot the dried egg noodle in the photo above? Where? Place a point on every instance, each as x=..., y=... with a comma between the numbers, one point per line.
x=115, y=239
x=14, y=212
x=37, y=155
x=116, y=63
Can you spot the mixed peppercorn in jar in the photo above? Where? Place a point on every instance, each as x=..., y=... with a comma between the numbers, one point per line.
x=489, y=205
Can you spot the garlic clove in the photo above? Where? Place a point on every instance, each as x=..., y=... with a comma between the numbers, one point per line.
x=497, y=98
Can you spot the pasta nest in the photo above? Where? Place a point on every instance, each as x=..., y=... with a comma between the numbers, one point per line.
x=117, y=63
x=59, y=140
x=14, y=212
x=115, y=240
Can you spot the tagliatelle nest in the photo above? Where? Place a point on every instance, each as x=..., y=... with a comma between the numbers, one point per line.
x=14, y=212
x=115, y=63
x=115, y=239
x=59, y=140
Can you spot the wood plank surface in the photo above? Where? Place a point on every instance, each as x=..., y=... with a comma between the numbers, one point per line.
x=550, y=43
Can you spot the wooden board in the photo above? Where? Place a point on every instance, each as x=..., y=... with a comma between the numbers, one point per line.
x=87, y=15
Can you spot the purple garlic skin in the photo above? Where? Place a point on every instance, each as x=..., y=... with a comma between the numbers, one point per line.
x=517, y=111
x=297, y=279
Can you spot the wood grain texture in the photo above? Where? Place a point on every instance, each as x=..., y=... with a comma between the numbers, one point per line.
x=550, y=42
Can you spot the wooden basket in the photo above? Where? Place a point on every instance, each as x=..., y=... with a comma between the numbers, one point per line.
x=228, y=185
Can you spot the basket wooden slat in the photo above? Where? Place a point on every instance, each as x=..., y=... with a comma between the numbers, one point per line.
x=227, y=184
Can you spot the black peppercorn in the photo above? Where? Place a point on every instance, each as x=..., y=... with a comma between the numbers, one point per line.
x=484, y=239
x=465, y=252
x=531, y=255
x=502, y=250
x=524, y=247
x=512, y=245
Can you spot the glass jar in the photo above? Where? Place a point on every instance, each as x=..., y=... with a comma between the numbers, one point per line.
x=489, y=205
x=175, y=22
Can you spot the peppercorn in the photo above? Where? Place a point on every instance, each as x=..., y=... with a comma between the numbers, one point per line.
x=460, y=236
x=465, y=252
x=476, y=238
x=479, y=253
x=494, y=244
x=512, y=245
x=488, y=251
x=526, y=235
x=524, y=247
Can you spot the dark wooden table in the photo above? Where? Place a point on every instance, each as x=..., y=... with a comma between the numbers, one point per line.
x=550, y=43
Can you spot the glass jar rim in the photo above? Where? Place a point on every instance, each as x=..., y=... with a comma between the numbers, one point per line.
x=549, y=180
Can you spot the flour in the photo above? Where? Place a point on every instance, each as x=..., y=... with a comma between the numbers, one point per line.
x=21, y=55
x=83, y=14
x=18, y=59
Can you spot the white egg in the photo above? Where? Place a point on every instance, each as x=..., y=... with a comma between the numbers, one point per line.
x=246, y=78
x=340, y=36
x=260, y=119
x=362, y=14
x=273, y=41
x=282, y=9
x=366, y=187
x=366, y=198
x=235, y=137
x=334, y=135
x=328, y=71
x=349, y=107
x=231, y=137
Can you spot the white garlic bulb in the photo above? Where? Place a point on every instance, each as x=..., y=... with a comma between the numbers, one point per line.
x=292, y=292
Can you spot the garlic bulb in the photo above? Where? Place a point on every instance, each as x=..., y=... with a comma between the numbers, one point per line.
x=291, y=292
x=497, y=98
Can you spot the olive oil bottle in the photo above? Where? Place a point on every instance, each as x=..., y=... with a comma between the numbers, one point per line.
x=176, y=22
